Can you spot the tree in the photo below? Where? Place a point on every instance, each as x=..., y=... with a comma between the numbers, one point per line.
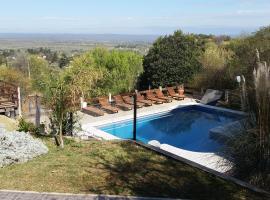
x=82, y=76
x=172, y=60
x=119, y=70
x=63, y=61
x=244, y=49
x=40, y=73
x=59, y=101
x=215, y=71
x=16, y=77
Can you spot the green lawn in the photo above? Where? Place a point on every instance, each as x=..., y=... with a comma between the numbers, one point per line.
x=120, y=168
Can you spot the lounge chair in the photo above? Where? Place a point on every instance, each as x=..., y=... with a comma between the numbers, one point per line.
x=150, y=96
x=173, y=94
x=160, y=95
x=106, y=106
x=141, y=99
x=211, y=97
x=129, y=101
x=121, y=104
x=181, y=91
x=91, y=110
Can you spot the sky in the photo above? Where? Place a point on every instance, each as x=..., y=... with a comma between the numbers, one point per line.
x=155, y=17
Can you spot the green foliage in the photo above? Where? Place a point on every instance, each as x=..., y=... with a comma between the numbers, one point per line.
x=25, y=126
x=245, y=49
x=41, y=74
x=16, y=77
x=120, y=68
x=60, y=101
x=50, y=55
x=63, y=60
x=82, y=76
x=172, y=60
x=244, y=151
x=216, y=72
x=3, y=60
x=109, y=71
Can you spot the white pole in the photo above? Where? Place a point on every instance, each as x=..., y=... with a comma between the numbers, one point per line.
x=110, y=97
x=81, y=100
x=160, y=88
x=19, y=102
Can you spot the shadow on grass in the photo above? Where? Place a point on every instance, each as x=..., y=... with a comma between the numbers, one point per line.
x=134, y=170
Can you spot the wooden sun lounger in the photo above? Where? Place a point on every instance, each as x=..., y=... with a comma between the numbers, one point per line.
x=141, y=99
x=151, y=96
x=181, y=92
x=106, y=106
x=91, y=110
x=129, y=101
x=7, y=105
x=160, y=95
x=119, y=102
x=174, y=95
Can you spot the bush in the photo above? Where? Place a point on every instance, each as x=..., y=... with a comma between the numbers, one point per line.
x=245, y=48
x=216, y=73
x=100, y=71
x=25, y=126
x=172, y=60
x=243, y=150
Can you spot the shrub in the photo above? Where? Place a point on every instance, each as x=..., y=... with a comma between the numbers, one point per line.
x=244, y=49
x=172, y=60
x=25, y=126
x=215, y=71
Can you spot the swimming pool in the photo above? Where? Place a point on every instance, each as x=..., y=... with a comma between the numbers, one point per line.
x=186, y=128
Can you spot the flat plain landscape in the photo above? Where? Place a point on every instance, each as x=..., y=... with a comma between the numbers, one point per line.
x=76, y=42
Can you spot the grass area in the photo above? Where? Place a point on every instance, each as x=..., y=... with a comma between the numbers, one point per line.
x=10, y=124
x=120, y=168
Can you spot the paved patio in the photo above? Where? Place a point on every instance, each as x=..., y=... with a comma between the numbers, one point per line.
x=86, y=119
x=20, y=195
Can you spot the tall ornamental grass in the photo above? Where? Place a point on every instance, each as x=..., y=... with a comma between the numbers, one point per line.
x=261, y=110
x=250, y=149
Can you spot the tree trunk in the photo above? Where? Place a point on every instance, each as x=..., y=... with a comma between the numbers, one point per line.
x=61, y=134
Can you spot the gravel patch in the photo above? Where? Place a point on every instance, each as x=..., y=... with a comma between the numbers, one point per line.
x=19, y=147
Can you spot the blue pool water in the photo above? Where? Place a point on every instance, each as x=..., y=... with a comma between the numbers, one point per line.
x=186, y=128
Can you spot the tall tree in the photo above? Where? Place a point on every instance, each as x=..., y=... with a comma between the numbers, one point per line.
x=119, y=69
x=172, y=60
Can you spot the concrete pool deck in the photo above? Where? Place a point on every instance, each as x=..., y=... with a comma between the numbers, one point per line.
x=210, y=160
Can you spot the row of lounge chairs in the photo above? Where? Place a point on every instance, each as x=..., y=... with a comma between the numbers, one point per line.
x=125, y=102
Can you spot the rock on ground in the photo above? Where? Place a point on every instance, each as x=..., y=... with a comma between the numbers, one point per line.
x=19, y=147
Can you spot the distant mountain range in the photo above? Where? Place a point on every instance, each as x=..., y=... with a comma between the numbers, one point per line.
x=99, y=38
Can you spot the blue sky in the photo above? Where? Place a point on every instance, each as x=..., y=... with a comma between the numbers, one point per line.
x=133, y=16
